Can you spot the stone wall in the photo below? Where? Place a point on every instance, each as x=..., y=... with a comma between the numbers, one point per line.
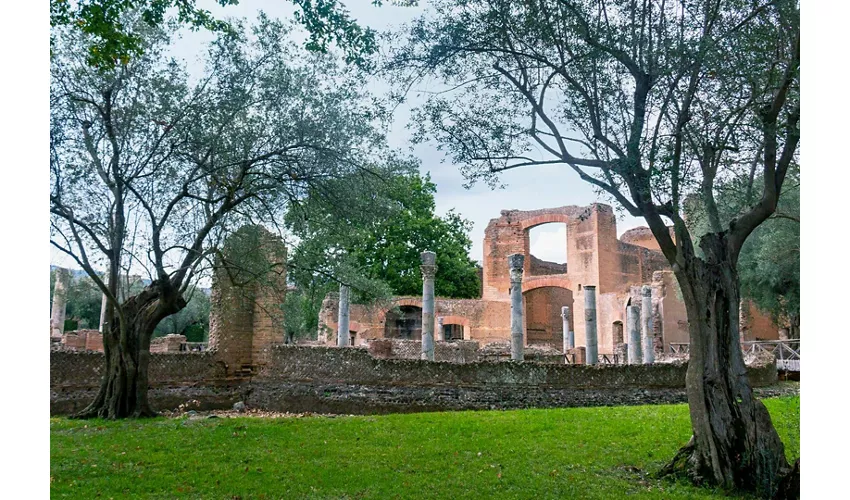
x=459, y=351
x=174, y=378
x=82, y=340
x=349, y=380
x=344, y=380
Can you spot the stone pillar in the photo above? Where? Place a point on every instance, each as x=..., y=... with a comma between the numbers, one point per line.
x=440, y=334
x=57, y=311
x=429, y=270
x=590, y=324
x=620, y=348
x=343, y=335
x=646, y=325
x=633, y=329
x=515, y=262
x=103, y=302
x=565, y=316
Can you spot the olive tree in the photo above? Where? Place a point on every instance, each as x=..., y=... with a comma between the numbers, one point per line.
x=150, y=169
x=648, y=101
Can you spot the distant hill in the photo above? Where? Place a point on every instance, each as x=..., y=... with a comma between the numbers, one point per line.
x=79, y=273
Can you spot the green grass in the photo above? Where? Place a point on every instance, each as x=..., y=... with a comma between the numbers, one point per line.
x=560, y=453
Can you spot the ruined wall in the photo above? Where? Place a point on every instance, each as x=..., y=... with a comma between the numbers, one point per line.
x=594, y=257
x=543, y=323
x=345, y=380
x=82, y=340
x=459, y=351
x=756, y=325
x=671, y=309
x=249, y=288
x=483, y=321
x=168, y=343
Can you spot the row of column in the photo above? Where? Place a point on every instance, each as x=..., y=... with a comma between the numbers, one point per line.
x=639, y=322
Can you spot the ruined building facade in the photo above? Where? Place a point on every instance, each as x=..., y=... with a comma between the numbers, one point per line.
x=617, y=267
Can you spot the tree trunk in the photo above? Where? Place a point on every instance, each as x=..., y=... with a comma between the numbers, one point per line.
x=126, y=342
x=734, y=443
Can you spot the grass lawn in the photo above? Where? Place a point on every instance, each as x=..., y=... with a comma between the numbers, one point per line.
x=559, y=453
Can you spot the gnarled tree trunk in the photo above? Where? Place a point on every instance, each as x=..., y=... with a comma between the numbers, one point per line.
x=126, y=343
x=734, y=443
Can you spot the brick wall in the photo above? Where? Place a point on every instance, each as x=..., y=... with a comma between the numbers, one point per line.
x=462, y=351
x=168, y=343
x=303, y=378
x=246, y=315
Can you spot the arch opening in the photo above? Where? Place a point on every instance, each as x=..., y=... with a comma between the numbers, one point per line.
x=404, y=322
x=543, y=322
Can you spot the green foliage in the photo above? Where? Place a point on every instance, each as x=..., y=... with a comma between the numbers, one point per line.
x=375, y=247
x=391, y=250
x=769, y=262
x=299, y=315
x=606, y=452
x=114, y=40
x=82, y=302
x=373, y=243
x=193, y=321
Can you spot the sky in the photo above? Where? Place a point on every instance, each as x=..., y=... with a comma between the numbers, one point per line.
x=529, y=188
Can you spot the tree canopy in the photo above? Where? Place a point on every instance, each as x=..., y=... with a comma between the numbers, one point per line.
x=112, y=40
x=380, y=254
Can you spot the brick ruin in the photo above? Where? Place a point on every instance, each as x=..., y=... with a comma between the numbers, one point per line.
x=617, y=267
x=246, y=315
x=247, y=360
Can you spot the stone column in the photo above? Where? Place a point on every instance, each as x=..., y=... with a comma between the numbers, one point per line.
x=429, y=270
x=646, y=325
x=590, y=324
x=103, y=302
x=633, y=329
x=57, y=311
x=565, y=316
x=440, y=334
x=515, y=262
x=343, y=334
x=620, y=346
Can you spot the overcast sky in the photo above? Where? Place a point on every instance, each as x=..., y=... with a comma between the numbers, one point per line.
x=526, y=188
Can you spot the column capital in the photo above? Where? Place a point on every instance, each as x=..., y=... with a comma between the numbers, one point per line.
x=565, y=312
x=646, y=291
x=428, y=272
x=429, y=264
